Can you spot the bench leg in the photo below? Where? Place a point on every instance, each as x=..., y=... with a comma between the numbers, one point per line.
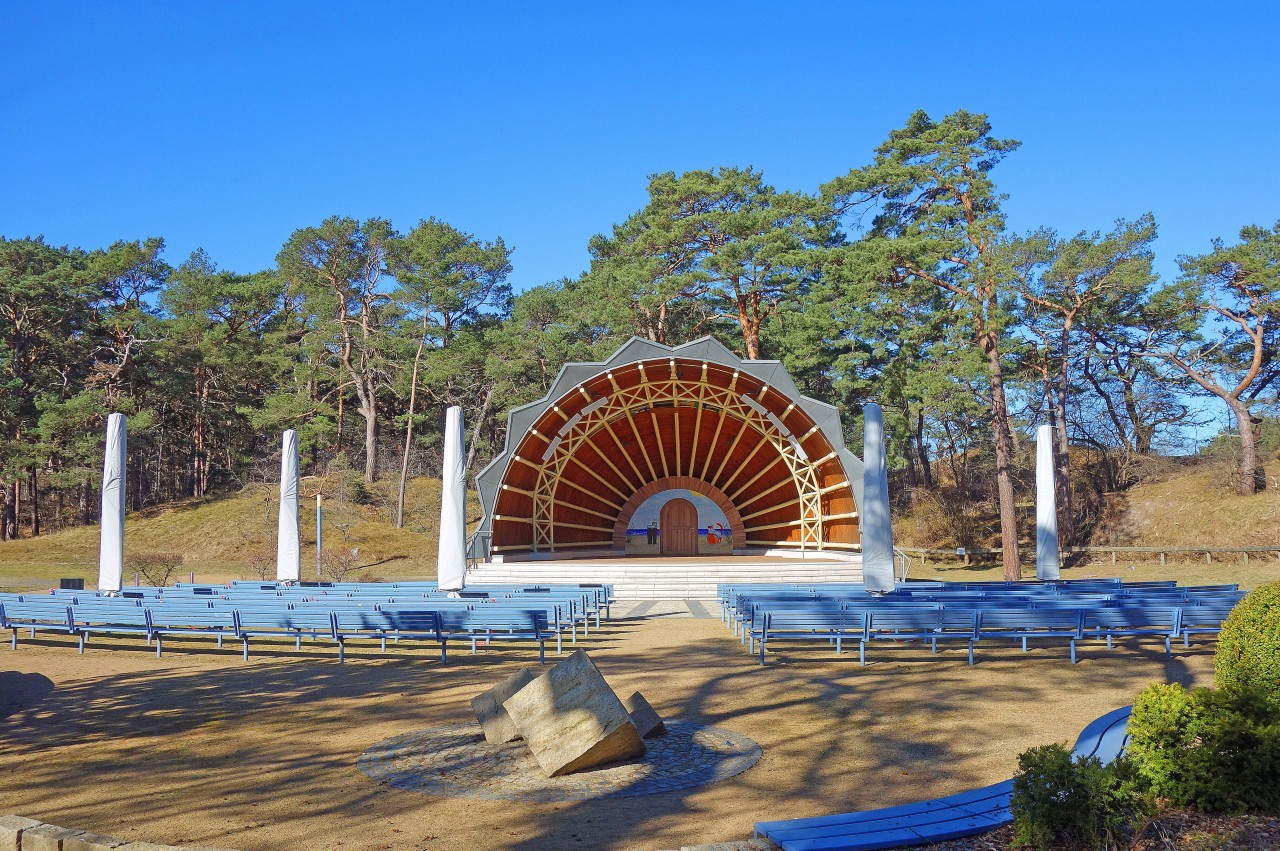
x=762, y=650
x=933, y=645
x=82, y=643
x=1024, y=644
x=837, y=645
x=159, y=641
x=297, y=644
x=13, y=642
x=862, y=653
x=542, y=652
x=1110, y=646
x=971, y=651
x=33, y=632
x=384, y=642
x=1073, y=651
x=559, y=643
x=473, y=645
x=444, y=653
x=1168, y=650
x=245, y=655
x=342, y=651
x=219, y=641
x=1186, y=638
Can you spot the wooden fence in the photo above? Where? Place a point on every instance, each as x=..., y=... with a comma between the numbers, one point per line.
x=1164, y=552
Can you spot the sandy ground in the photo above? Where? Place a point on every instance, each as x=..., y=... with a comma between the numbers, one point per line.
x=199, y=747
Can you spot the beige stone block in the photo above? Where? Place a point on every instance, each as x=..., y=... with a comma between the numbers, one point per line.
x=494, y=720
x=572, y=720
x=86, y=841
x=647, y=720
x=11, y=828
x=46, y=837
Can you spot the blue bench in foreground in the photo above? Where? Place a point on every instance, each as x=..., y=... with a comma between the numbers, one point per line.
x=952, y=817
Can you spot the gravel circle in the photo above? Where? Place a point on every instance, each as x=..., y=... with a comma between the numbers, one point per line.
x=454, y=760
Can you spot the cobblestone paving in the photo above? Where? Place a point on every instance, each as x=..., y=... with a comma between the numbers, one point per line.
x=454, y=760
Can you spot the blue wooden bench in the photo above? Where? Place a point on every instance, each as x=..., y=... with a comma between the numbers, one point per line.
x=93, y=617
x=912, y=624
x=1204, y=619
x=1133, y=621
x=1026, y=624
x=281, y=623
x=190, y=622
x=829, y=625
x=501, y=623
x=411, y=624
x=51, y=615
x=952, y=817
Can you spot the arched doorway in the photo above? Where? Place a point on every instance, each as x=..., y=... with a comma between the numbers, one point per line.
x=679, y=525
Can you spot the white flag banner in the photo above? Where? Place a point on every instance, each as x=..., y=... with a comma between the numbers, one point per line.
x=1048, y=564
x=451, y=562
x=288, y=557
x=111, y=548
x=873, y=522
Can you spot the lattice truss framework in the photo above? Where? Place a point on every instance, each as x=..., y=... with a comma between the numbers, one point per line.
x=662, y=385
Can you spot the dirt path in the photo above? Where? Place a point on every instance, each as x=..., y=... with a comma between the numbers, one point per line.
x=199, y=747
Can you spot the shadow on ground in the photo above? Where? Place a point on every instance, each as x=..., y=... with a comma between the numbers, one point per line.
x=263, y=755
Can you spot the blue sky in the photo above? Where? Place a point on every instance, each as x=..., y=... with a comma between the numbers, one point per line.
x=228, y=125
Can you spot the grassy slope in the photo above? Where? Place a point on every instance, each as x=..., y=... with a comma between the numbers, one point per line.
x=216, y=536
x=1186, y=508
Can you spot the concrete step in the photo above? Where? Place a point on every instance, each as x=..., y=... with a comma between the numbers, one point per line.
x=637, y=579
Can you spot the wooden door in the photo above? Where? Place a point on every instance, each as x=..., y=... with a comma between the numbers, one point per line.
x=679, y=525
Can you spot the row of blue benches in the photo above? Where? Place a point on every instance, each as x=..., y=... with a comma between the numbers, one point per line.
x=838, y=613
x=502, y=615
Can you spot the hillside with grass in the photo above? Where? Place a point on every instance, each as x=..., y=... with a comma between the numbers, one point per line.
x=224, y=537
x=1177, y=504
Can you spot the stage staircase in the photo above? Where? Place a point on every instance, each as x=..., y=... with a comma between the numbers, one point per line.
x=665, y=579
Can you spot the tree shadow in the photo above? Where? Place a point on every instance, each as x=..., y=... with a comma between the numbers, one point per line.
x=19, y=691
x=263, y=755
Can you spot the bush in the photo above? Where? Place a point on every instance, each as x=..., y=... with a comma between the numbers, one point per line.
x=1218, y=751
x=262, y=564
x=1059, y=799
x=1248, y=654
x=336, y=564
x=156, y=568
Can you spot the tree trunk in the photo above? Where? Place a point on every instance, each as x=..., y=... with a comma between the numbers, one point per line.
x=1004, y=459
x=1061, y=447
x=369, y=410
x=8, y=519
x=481, y=418
x=922, y=450
x=408, y=430
x=84, y=497
x=1250, y=468
x=33, y=491
x=11, y=511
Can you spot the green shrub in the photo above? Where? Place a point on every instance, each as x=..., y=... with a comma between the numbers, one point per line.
x=1218, y=751
x=1248, y=652
x=1058, y=799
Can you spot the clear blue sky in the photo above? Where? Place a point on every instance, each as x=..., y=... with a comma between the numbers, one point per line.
x=228, y=125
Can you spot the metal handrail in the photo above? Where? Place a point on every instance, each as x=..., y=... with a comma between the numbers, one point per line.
x=902, y=562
